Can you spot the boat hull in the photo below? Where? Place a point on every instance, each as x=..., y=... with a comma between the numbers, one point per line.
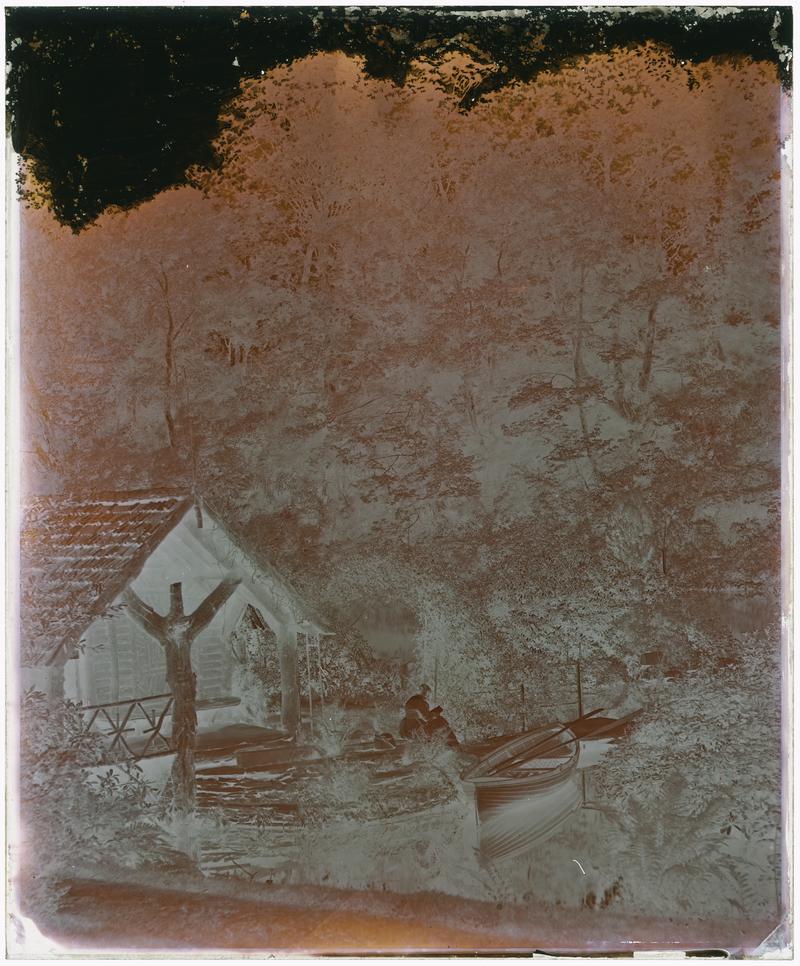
x=499, y=794
x=522, y=767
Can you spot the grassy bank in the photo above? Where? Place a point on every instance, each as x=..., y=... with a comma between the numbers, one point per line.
x=214, y=916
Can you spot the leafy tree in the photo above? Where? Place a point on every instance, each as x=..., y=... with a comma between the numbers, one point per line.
x=554, y=401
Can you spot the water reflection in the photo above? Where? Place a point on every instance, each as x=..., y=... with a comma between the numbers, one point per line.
x=514, y=829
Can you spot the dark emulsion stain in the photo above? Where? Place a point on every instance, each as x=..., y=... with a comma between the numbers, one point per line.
x=109, y=107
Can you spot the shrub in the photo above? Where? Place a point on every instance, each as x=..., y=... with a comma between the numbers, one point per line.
x=333, y=732
x=71, y=820
x=697, y=785
x=254, y=706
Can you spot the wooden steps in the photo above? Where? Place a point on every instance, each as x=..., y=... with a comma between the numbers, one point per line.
x=278, y=752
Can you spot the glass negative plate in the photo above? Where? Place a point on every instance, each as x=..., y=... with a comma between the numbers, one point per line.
x=398, y=480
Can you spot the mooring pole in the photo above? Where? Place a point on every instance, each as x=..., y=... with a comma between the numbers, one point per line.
x=308, y=674
x=580, y=715
x=319, y=674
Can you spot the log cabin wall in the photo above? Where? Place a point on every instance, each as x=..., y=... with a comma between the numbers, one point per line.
x=120, y=660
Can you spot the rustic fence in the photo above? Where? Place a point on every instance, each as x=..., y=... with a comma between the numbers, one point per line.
x=114, y=720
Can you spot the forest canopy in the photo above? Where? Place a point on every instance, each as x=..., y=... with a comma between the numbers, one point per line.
x=400, y=356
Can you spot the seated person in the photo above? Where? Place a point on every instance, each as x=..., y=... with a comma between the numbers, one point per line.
x=415, y=721
x=437, y=724
x=418, y=703
x=420, y=700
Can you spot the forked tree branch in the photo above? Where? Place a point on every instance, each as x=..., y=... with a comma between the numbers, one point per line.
x=144, y=615
x=206, y=612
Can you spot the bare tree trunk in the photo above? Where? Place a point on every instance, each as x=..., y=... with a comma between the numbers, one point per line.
x=308, y=258
x=580, y=381
x=169, y=363
x=176, y=632
x=171, y=337
x=183, y=684
x=620, y=400
x=500, y=253
x=169, y=416
x=663, y=536
x=649, y=348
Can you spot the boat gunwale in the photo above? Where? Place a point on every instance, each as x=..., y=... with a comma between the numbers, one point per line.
x=534, y=777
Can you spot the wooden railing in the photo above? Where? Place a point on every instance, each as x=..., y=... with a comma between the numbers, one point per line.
x=119, y=714
x=123, y=712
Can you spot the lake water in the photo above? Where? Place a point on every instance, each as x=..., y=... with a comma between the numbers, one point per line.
x=562, y=846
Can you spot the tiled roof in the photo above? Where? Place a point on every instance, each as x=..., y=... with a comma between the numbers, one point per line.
x=77, y=553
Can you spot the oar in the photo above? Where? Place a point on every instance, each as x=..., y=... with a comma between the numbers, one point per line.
x=528, y=753
x=550, y=743
x=566, y=727
x=595, y=734
x=612, y=725
x=569, y=741
x=542, y=750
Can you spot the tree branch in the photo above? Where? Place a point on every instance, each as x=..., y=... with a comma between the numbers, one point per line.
x=347, y=411
x=179, y=328
x=144, y=615
x=206, y=612
x=163, y=281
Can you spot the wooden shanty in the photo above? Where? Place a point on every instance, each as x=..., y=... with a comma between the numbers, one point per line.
x=89, y=563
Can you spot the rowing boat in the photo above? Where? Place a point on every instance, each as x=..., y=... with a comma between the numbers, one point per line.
x=529, y=763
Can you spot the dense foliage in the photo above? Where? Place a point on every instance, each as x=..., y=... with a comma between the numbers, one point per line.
x=547, y=437
x=697, y=786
